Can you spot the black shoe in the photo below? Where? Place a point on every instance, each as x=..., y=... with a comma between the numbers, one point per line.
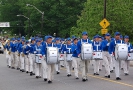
x=31, y=73
x=94, y=74
x=86, y=79
x=118, y=78
x=72, y=68
x=121, y=68
x=9, y=66
x=37, y=77
x=18, y=68
x=13, y=67
x=27, y=72
x=111, y=71
x=49, y=82
x=77, y=78
x=69, y=75
x=83, y=80
x=97, y=74
x=108, y=76
x=45, y=79
x=22, y=70
x=126, y=74
x=100, y=69
x=62, y=66
x=58, y=72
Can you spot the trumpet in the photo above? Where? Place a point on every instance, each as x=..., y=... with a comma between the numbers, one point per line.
x=9, y=52
x=22, y=54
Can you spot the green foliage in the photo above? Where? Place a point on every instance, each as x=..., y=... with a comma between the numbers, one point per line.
x=119, y=14
x=59, y=15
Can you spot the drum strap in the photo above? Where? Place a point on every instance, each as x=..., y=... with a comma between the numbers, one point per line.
x=47, y=45
x=68, y=48
x=116, y=43
x=97, y=45
x=84, y=42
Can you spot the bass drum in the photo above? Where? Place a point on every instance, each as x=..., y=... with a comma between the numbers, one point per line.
x=86, y=52
x=52, y=55
x=121, y=52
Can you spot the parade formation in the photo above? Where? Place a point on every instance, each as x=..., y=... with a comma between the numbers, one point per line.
x=42, y=57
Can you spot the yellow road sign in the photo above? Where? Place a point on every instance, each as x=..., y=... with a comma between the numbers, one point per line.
x=104, y=23
x=104, y=31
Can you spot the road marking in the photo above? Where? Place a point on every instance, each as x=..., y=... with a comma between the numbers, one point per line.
x=109, y=80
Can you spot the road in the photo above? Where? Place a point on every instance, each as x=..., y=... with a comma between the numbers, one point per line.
x=11, y=79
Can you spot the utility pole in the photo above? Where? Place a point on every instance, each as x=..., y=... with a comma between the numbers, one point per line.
x=105, y=1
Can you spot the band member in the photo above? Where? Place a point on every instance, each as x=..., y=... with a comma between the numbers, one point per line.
x=127, y=62
x=106, y=55
x=75, y=58
x=32, y=57
x=13, y=59
x=62, y=63
x=8, y=55
x=26, y=58
x=96, y=48
x=84, y=63
x=67, y=49
x=111, y=51
x=38, y=64
x=21, y=51
x=17, y=54
x=60, y=58
x=48, y=68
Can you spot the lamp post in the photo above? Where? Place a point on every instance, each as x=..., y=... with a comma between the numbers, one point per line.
x=39, y=12
x=28, y=22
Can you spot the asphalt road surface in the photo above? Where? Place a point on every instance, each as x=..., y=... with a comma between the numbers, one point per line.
x=11, y=79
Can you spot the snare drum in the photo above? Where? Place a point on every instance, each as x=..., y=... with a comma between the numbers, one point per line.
x=130, y=57
x=38, y=58
x=97, y=56
x=61, y=57
x=68, y=57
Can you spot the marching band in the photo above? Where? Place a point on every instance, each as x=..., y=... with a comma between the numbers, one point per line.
x=42, y=58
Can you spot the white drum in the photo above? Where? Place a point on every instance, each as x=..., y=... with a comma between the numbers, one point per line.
x=97, y=56
x=121, y=52
x=38, y=58
x=61, y=57
x=86, y=51
x=130, y=56
x=52, y=55
x=68, y=57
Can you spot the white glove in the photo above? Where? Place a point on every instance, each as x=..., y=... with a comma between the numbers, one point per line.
x=35, y=52
x=27, y=51
x=79, y=55
x=131, y=50
x=108, y=44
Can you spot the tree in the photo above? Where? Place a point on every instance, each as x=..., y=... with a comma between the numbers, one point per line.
x=119, y=14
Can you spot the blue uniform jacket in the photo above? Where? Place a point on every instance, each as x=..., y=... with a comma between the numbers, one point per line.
x=105, y=45
x=74, y=50
x=97, y=46
x=32, y=48
x=67, y=48
x=38, y=49
x=60, y=47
